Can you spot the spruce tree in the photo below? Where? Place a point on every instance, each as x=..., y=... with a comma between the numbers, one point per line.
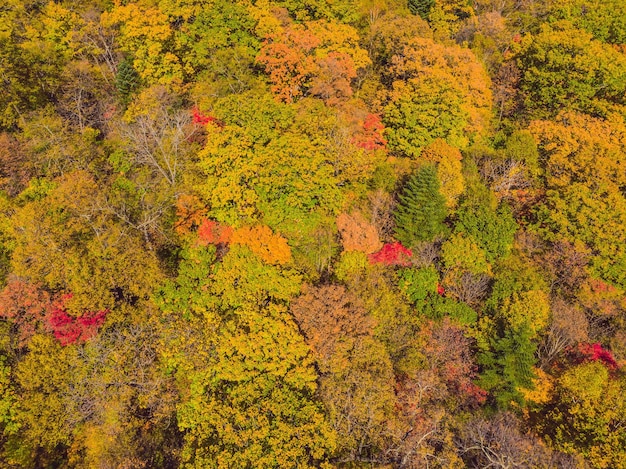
x=126, y=80
x=421, y=7
x=421, y=211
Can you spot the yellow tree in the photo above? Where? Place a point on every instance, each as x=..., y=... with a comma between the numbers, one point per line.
x=585, y=175
x=447, y=159
x=436, y=91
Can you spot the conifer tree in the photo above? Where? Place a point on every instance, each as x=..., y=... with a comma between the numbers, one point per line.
x=507, y=367
x=126, y=80
x=422, y=208
x=421, y=7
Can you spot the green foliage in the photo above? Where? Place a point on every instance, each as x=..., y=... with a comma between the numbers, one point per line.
x=421, y=211
x=492, y=230
x=243, y=162
x=561, y=68
x=418, y=284
x=605, y=20
x=458, y=252
x=126, y=80
x=507, y=366
x=521, y=146
x=439, y=307
x=421, y=7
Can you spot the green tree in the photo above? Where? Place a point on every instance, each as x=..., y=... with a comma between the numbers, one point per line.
x=492, y=230
x=421, y=212
x=435, y=91
x=565, y=68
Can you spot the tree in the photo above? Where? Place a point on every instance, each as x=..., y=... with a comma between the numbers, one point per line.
x=248, y=375
x=559, y=51
x=584, y=415
x=447, y=159
x=421, y=211
x=584, y=175
x=271, y=248
x=507, y=366
x=26, y=307
x=319, y=58
x=499, y=442
x=436, y=92
x=356, y=373
x=492, y=230
x=357, y=234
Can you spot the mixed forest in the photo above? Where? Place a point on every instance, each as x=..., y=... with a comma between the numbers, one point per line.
x=313, y=234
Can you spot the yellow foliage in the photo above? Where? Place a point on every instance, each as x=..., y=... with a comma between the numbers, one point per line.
x=531, y=307
x=449, y=169
x=271, y=248
x=543, y=385
x=145, y=32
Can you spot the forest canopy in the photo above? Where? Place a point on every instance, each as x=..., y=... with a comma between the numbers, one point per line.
x=312, y=233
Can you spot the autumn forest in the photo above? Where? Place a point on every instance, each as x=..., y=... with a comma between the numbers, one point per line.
x=342, y=234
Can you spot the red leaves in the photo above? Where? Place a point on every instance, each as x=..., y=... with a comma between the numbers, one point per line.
x=392, y=254
x=31, y=309
x=440, y=290
x=371, y=137
x=595, y=352
x=202, y=119
x=69, y=329
x=212, y=232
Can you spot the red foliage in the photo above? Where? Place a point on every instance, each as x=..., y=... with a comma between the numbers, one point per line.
x=595, y=352
x=475, y=394
x=212, y=232
x=202, y=119
x=392, y=254
x=69, y=329
x=440, y=290
x=371, y=137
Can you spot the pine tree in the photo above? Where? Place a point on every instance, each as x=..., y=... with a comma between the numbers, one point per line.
x=507, y=367
x=422, y=209
x=421, y=7
x=126, y=80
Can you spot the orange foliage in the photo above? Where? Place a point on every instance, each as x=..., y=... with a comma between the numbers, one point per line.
x=212, y=232
x=271, y=248
x=332, y=319
x=319, y=58
x=371, y=136
x=190, y=212
x=357, y=234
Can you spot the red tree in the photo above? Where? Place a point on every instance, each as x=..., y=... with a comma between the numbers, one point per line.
x=392, y=254
x=371, y=136
x=69, y=329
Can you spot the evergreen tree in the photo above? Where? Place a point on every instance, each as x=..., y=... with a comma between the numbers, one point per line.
x=422, y=208
x=507, y=367
x=126, y=80
x=421, y=7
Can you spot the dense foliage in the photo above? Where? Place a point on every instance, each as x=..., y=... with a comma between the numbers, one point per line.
x=312, y=233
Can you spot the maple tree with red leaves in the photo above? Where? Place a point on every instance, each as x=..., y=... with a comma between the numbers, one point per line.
x=69, y=329
x=594, y=352
x=392, y=254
